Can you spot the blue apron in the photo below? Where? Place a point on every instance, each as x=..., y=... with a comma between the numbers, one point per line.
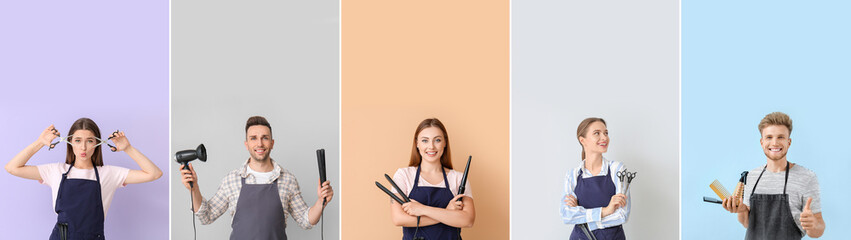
x=259, y=213
x=594, y=192
x=80, y=209
x=433, y=197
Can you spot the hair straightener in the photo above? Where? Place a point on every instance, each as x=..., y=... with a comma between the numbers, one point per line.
x=463, y=185
x=402, y=200
x=320, y=160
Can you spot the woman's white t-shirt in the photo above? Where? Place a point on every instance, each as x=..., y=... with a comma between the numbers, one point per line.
x=111, y=178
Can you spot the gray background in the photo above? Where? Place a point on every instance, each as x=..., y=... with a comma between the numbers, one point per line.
x=612, y=59
x=232, y=60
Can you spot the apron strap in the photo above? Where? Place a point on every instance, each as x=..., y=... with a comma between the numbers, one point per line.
x=97, y=176
x=61, y=189
x=609, y=174
x=445, y=182
x=787, y=178
x=763, y=171
x=416, y=179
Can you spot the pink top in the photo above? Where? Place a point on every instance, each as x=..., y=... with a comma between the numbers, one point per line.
x=404, y=177
x=111, y=177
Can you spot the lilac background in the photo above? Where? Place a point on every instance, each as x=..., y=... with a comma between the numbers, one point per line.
x=106, y=60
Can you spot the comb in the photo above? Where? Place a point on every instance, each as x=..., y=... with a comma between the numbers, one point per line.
x=719, y=189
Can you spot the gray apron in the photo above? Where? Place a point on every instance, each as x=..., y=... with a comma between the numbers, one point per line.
x=259, y=213
x=770, y=216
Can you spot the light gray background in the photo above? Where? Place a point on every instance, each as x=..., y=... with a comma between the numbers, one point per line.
x=232, y=60
x=612, y=59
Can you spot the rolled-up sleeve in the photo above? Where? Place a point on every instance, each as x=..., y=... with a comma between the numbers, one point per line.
x=296, y=206
x=213, y=208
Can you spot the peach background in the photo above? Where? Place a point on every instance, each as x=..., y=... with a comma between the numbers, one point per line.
x=402, y=62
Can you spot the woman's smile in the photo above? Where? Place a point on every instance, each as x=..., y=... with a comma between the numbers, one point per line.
x=431, y=153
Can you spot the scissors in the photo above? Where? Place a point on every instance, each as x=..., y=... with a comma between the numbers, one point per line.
x=629, y=176
x=100, y=141
x=624, y=174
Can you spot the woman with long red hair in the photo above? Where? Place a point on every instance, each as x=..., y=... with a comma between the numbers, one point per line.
x=432, y=185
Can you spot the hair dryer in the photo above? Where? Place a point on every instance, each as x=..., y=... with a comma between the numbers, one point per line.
x=186, y=156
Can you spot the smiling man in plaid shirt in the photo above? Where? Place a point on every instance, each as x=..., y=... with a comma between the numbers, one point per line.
x=260, y=194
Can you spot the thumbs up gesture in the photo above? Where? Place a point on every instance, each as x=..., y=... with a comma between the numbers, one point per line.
x=808, y=219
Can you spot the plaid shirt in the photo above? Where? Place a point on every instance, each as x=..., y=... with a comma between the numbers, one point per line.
x=228, y=194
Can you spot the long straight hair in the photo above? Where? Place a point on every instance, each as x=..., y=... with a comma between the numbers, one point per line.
x=84, y=124
x=446, y=158
x=582, y=130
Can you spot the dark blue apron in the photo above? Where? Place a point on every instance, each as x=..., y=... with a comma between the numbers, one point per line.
x=80, y=209
x=770, y=216
x=259, y=213
x=433, y=197
x=594, y=192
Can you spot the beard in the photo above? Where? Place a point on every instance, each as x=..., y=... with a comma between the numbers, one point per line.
x=260, y=158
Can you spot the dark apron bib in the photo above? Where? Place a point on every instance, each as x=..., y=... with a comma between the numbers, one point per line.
x=770, y=216
x=594, y=192
x=259, y=213
x=433, y=197
x=80, y=209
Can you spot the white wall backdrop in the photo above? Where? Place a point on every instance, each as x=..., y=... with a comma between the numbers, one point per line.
x=232, y=60
x=576, y=59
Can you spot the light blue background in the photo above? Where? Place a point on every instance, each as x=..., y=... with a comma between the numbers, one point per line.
x=742, y=60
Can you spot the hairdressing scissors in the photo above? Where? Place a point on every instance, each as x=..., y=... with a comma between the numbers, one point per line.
x=628, y=176
x=622, y=174
x=68, y=138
